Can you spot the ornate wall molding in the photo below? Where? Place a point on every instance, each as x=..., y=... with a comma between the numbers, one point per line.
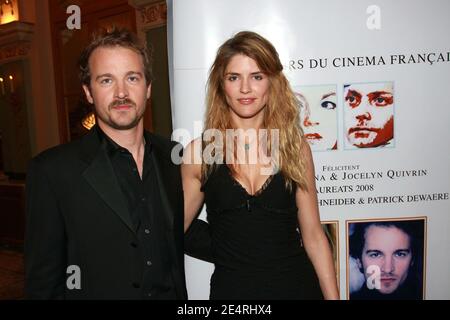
x=151, y=13
x=15, y=40
x=14, y=51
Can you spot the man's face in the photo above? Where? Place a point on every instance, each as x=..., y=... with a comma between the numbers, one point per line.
x=118, y=87
x=369, y=114
x=389, y=248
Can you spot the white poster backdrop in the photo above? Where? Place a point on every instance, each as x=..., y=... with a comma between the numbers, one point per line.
x=403, y=43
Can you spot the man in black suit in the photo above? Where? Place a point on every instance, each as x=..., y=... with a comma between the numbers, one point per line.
x=105, y=213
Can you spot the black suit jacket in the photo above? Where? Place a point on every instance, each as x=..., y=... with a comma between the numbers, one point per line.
x=77, y=215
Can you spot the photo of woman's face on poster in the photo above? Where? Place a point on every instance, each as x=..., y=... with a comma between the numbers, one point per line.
x=318, y=115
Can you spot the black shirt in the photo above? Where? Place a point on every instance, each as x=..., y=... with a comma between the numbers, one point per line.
x=152, y=276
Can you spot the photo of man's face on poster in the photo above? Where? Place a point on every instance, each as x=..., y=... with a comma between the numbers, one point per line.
x=386, y=260
x=368, y=115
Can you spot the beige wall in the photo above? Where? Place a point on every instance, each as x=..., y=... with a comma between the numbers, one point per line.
x=43, y=114
x=27, y=10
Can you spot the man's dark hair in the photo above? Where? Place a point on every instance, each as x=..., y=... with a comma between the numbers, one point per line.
x=413, y=228
x=110, y=39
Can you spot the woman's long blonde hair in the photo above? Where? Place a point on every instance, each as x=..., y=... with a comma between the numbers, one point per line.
x=281, y=111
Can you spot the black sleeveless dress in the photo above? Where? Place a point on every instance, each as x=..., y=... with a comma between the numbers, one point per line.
x=256, y=244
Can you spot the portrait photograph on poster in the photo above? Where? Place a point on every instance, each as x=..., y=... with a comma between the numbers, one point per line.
x=386, y=259
x=318, y=114
x=368, y=115
x=331, y=229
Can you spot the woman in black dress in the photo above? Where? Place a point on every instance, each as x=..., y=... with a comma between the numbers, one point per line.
x=254, y=171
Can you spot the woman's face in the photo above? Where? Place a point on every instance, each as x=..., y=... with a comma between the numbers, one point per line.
x=319, y=120
x=246, y=88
